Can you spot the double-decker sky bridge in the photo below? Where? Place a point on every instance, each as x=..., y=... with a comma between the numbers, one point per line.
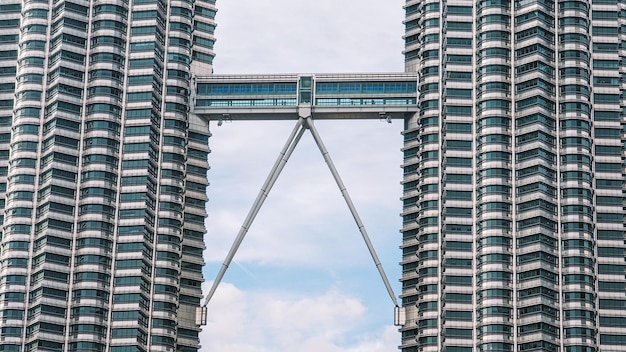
x=304, y=98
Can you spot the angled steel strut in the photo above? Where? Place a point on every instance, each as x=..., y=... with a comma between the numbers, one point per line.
x=285, y=153
x=355, y=215
x=290, y=145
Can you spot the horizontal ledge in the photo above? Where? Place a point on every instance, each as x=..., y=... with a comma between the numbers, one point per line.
x=293, y=115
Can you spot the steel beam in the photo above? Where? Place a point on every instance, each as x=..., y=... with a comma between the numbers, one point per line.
x=283, y=157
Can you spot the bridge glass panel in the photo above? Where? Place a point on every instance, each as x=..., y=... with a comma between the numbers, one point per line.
x=213, y=89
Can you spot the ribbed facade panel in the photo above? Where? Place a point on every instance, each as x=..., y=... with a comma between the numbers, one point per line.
x=513, y=233
x=104, y=178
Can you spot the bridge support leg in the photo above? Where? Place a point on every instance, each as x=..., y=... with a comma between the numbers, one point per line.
x=355, y=215
x=285, y=153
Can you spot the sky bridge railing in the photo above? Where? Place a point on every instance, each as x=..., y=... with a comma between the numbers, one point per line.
x=204, y=103
x=320, y=102
x=365, y=101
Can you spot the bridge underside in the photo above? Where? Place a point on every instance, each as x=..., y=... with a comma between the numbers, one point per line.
x=328, y=96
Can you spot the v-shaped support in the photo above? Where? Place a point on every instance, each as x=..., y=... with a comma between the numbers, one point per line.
x=290, y=145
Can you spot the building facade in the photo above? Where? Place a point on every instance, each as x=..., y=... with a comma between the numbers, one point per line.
x=513, y=234
x=102, y=173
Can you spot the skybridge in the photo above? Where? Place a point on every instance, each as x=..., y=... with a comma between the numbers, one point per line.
x=329, y=96
x=303, y=98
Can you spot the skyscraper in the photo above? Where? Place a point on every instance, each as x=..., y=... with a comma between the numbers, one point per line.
x=102, y=173
x=513, y=235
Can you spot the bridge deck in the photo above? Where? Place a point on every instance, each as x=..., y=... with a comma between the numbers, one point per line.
x=329, y=96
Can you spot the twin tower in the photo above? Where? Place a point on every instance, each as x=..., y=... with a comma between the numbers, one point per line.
x=512, y=232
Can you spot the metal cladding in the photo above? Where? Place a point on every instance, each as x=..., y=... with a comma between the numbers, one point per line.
x=102, y=174
x=513, y=235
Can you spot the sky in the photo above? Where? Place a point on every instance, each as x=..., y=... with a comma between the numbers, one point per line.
x=303, y=278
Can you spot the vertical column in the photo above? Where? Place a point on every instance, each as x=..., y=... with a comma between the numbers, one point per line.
x=95, y=241
x=456, y=177
x=535, y=173
x=608, y=68
x=420, y=260
x=16, y=236
x=494, y=178
x=576, y=174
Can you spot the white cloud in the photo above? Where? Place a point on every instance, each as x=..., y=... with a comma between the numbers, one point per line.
x=263, y=321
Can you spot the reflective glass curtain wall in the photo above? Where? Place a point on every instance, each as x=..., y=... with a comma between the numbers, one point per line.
x=513, y=235
x=104, y=178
